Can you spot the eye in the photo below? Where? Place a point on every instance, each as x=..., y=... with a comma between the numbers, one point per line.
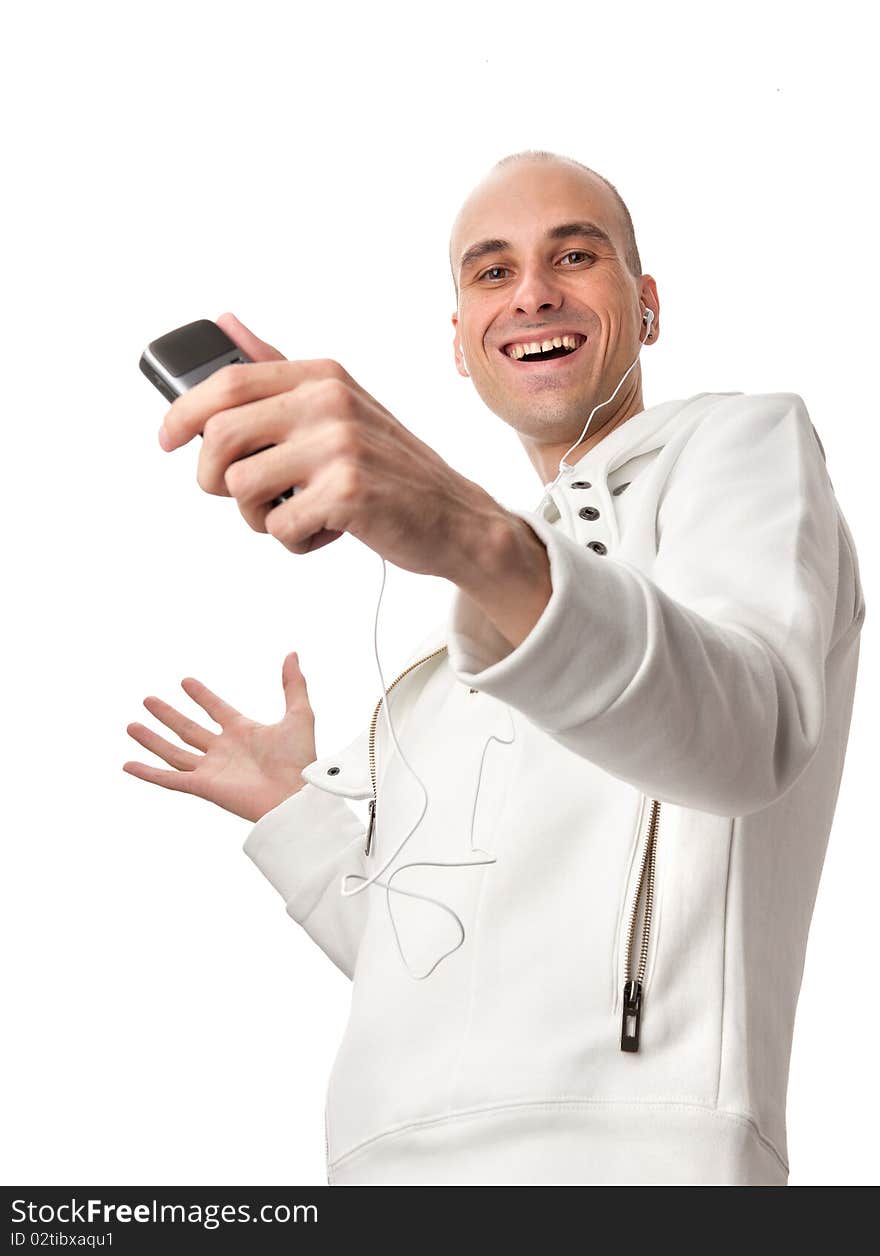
x=578, y=253
x=489, y=271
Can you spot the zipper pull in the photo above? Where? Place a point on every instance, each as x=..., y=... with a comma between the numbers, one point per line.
x=370, y=826
x=632, y=1015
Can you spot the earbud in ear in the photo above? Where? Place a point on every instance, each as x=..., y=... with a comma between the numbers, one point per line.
x=464, y=365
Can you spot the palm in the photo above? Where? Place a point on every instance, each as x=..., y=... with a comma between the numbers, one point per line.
x=247, y=768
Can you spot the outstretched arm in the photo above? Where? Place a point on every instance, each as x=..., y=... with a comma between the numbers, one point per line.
x=702, y=685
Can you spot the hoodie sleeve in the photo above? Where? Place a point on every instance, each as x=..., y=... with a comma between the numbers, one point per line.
x=704, y=684
x=305, y=846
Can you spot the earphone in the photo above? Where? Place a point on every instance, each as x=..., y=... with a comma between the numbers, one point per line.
x=647, y=317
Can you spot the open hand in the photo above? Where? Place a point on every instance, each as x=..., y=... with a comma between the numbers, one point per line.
x=247, y=768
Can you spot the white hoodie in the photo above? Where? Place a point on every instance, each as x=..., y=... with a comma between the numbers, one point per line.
x=667, y=742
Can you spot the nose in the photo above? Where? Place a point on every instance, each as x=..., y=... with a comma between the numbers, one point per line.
x=538, y=290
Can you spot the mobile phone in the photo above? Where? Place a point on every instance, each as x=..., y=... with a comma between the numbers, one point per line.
x=184, y=357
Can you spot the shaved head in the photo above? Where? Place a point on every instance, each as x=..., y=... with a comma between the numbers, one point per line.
x=619, y=211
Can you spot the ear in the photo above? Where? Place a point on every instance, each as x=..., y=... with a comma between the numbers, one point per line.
x=460, y=364
x=649, y=299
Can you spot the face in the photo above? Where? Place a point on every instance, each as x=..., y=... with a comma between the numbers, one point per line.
x=526, y=275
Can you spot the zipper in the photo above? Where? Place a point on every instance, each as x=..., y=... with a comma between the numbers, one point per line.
x=632, y=986
x=372, y=804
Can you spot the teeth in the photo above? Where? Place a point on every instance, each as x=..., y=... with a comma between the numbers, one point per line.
x=536, y=346
x=558, y=342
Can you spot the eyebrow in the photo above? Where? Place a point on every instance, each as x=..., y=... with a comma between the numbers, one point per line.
x=564, y=231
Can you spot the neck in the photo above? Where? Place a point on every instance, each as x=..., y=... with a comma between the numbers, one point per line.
x=546, y=456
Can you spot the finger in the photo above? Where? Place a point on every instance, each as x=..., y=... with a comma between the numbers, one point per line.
x=248, y=447
x=233, y=438
x=181, y=781
x=236, y=385
x=177, y=757
x=257, y=481
x=300, y=522
x=320, y=539
x=293, y=682
x=256, y=349
x=221, y=712
x=187, y=730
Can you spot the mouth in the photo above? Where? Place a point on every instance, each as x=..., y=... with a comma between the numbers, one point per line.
x=547, y=348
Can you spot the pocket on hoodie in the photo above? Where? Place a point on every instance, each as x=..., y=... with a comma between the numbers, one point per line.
x=681, y=1014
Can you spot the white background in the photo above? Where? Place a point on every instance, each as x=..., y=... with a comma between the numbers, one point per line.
x=300, y=165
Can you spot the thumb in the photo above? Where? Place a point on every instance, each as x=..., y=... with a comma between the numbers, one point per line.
x=295, y=694
x=256, y=349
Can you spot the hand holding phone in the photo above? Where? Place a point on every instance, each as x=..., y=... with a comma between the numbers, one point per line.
x=184, y=357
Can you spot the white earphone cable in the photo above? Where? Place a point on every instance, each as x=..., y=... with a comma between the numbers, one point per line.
x=648, y=318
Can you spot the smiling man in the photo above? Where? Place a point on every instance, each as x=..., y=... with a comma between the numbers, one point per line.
x=544, y=251
x=584, y=883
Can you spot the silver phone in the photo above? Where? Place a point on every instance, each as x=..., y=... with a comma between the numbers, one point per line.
x=184, y=357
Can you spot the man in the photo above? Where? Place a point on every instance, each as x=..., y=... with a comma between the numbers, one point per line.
x=619, y=756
